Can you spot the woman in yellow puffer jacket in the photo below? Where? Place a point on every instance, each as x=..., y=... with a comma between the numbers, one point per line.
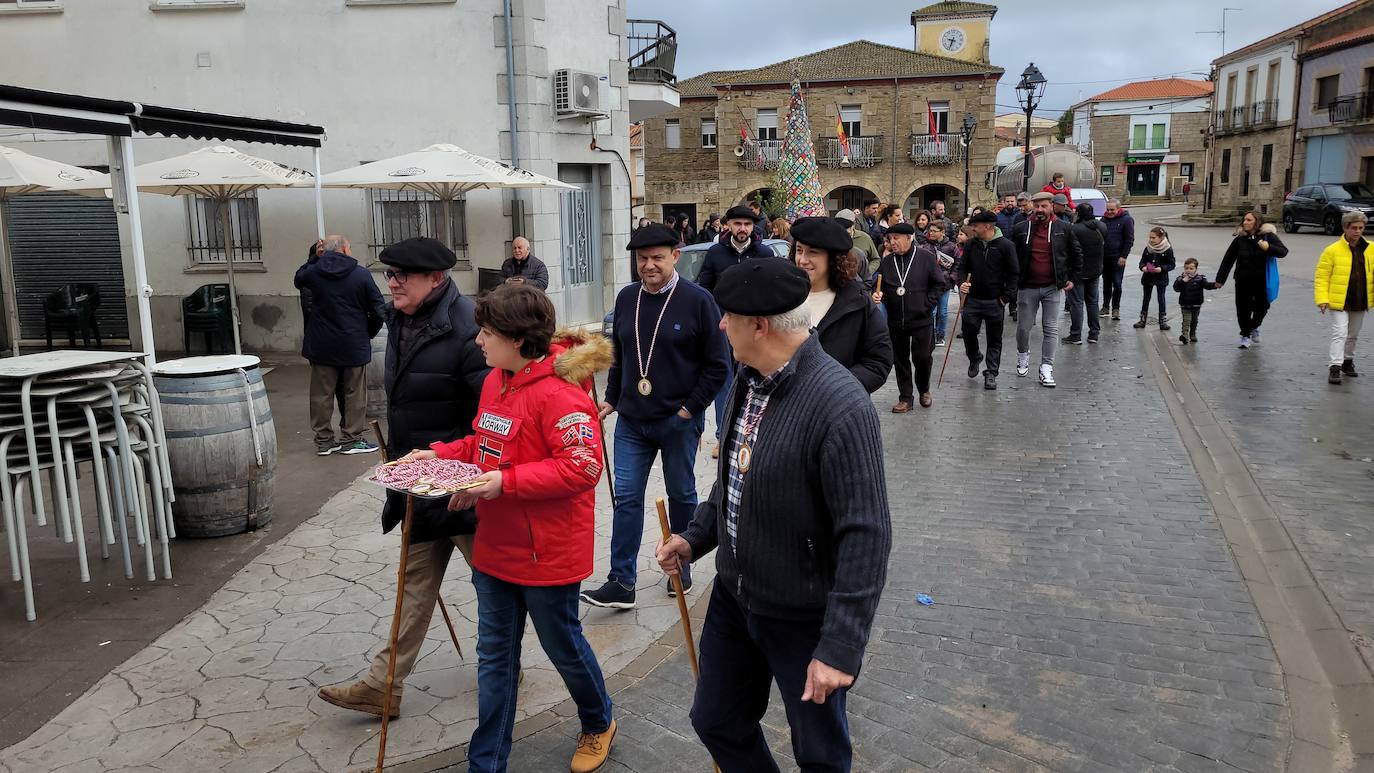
x=1344, y=286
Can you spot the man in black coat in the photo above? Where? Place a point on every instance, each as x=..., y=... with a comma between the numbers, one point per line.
x=521, y=266
x=987, y=277
x=345, y=313
x=1049, y=260
x=1083, y=298
x=1116, y=249
x=434, y=375
x=911, y=289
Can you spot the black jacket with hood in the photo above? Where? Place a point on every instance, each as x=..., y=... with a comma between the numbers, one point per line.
x=722, y=255
x=1092, y=238
x=1066, y=254
x=345, y=311
x=925, y=283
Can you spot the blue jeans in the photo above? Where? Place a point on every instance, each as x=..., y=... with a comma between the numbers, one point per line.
x=636, y=444
x=942, y=315
x=741, y=654
x=501, y=610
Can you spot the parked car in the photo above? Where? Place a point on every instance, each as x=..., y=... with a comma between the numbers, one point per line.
x=1091, y=196
x=1322, y=206
x=689, y=266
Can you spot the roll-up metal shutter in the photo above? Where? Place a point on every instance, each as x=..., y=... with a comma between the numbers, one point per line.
x=61, y=238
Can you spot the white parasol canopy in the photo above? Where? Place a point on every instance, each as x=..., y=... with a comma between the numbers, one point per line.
x=445, y=171
x=220, y=173
x=22, y=173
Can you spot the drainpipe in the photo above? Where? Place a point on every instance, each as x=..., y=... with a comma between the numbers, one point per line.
x=517, y=204
x=1293, y=133
x=894, y=147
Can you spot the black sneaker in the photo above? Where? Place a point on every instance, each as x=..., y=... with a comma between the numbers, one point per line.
x=328, y=448
x=1164, y=326
x=1348, y=369
x=686, y=587
x=989, y=380
x=1092, y=338
x=1334, y=376
x=612, y=595
x=1183, y=340
x=939, y=340
x=973, y=366
x=1075, y=340
x=1192, y=339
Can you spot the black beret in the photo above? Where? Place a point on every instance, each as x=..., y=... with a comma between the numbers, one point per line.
x=983, y=217
x=653, y=235
x=762, y=287
x=903, y=228
x=739, y=212
x=419, y=253
x=824, y=233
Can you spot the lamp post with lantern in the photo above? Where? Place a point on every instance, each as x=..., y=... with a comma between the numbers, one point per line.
x=1028, y=93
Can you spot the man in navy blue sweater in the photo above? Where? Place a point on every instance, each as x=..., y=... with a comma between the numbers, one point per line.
x=670, y=363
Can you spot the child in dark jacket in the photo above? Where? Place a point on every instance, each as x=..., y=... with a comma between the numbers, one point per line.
x=1190, y=286
x=1155, y=264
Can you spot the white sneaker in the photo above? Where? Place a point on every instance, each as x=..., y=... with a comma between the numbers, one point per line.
x=1022, y=363
x=1047, y=376
x=1244, y=342
x=1254, y=336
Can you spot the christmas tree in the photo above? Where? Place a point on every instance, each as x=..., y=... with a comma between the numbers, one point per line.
x=798, y=178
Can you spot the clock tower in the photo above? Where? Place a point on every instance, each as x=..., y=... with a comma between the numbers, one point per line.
x=955, y=30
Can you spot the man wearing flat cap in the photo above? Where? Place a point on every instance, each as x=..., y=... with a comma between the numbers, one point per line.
x=434, y=375
x=987, y=283
x=799, y=521
x=913, y=284
x=1050, y=259
x=670, y=361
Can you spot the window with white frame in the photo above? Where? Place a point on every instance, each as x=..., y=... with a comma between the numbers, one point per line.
x=708, y=132
x=206, y=237
x=30, y=6
x=938, y=117
x=398, y=215
x=767, y=123
x=672, y=133
x=852, y=118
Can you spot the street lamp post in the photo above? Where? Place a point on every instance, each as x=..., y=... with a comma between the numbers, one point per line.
x=1028, y=94
x=966, y=136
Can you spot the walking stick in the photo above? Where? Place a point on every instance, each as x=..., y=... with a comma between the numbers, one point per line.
x=949, y=342
x=605, y=455
x=395, y=629
x=676, y=581
x=453, y=634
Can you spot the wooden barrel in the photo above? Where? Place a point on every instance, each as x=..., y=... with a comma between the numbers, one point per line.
x=222, y=477
x=376, y=377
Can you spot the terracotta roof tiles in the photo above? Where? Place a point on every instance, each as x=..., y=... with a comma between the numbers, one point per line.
x=1164, y=88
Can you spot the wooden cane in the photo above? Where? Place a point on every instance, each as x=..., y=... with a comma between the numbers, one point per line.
x=605, y=455
x=676, y=581
x=453, y=634
x=395, y=630
x=949, y=342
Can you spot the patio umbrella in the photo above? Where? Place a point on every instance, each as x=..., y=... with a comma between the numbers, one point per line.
x=22, y=173
x=221, y=174
x=443, y=171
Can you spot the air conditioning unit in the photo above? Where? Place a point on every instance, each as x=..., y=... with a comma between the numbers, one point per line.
x=581, y=94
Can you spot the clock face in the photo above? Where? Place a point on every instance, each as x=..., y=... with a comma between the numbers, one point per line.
x=952, y=40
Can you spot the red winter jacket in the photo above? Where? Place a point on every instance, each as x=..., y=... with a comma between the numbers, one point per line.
x=1066, y=190
x=539, y=427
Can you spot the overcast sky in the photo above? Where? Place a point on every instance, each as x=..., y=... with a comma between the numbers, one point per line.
x=1082, y=49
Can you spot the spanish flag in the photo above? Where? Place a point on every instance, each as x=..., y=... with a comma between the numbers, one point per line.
x=839, y=132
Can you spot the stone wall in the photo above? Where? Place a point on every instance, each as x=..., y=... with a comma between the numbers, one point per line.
x=1267, y=197
x=1111, y=135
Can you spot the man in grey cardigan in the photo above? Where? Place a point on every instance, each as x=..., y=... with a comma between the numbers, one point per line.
x=800, y=516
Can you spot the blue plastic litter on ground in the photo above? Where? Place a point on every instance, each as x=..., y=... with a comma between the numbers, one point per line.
x=924, y=600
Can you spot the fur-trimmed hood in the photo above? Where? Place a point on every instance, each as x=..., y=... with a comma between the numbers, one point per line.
x=584, y=355
x=1267, y=228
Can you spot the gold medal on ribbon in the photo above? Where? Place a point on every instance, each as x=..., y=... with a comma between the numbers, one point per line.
x=744, y=457
x=645, y=388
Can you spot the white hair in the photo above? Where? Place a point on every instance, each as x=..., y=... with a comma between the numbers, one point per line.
x=791, y=321
x=335, y=243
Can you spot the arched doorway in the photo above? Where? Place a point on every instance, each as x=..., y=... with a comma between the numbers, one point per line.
x=848, y=197
x=764, y=196
x=926, y=195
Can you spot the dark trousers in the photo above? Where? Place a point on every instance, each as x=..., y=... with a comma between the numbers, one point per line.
x=741, y=654
x=1083, y=298
x=1252, y=303
x=912, y=346
x=1190, y=314
x=1112, y=277
x=977, y=312
x=1159, y=290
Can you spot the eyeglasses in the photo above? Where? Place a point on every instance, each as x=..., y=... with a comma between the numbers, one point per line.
x=399, y=276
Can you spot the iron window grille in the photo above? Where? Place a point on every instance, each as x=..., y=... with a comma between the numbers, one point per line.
x=398, y=215
x=205, y=220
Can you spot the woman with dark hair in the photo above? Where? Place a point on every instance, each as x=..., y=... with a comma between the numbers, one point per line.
x=540, y=448
x=1255, y=243
x=851, y=328
x=920, y=220
x=710, y=231
x=889, y=216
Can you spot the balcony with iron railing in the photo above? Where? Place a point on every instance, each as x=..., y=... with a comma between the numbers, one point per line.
x=759, y=155
x=651, y=51
x=1241, y=118
x=863, y=151
x=936, y=149
x=1351, y=108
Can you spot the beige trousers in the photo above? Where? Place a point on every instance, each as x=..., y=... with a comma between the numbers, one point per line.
x=348, y=387
x=425, y=567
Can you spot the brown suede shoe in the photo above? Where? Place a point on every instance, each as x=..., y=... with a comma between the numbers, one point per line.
x=902, y=406
x=360, y=696
x=592, y=750
x=927, y=399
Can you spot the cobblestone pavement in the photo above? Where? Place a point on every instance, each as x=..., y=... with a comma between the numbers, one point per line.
x=1089, y=615
x=232, y=686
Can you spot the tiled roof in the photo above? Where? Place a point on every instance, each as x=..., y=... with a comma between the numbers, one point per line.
x=859, y=60
x=1352, y=37
x=1291, y=32
x=636, y=135
x=701, y=85
x=1164, y=88
x=953, y=7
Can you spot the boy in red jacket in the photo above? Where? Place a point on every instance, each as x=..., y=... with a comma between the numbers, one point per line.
x=1057, y=185
x=538, y=441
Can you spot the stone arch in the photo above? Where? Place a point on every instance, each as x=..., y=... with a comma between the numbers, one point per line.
x=921, y=198
x=848, y=197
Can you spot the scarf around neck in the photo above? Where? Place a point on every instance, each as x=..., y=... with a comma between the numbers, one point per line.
x=1163, y=247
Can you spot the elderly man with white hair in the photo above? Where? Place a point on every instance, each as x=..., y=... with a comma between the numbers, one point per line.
x=521, y=266
x=799, y=521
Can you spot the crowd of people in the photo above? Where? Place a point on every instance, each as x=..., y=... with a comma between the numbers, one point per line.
x=786, y=352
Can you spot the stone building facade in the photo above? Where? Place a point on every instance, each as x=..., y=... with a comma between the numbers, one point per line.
x=719, y=148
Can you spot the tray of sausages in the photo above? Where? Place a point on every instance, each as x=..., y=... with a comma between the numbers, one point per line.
x=426, y=478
